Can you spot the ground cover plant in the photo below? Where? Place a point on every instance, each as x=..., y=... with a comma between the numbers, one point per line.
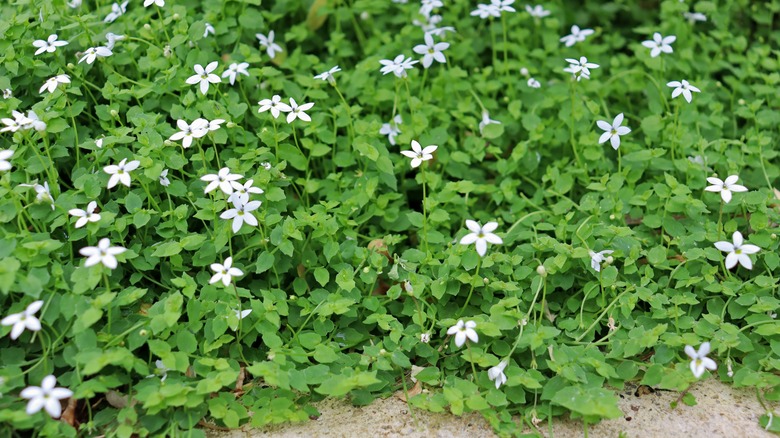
x=214, y=213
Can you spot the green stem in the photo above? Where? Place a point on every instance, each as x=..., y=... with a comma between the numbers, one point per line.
x=471, y=291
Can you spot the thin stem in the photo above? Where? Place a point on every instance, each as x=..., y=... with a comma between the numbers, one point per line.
x=425, y=211
x=476, y=274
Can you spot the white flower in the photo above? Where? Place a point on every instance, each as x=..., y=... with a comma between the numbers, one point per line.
x=418, y=154
x=699, y=359
x=463, y=331
x=274, y=104
x=164, y=181
x=222, y=180
x=73, y=4
x=427, y=6
x=537, y=11
x=204, y=77
x=297, y=111
x=267, y=42
x=7, y=93
x=224, y=272
x=576, y=36
x=431, y=51
x=425, y=338
x=242, y=213
x=15, y=124
x=725, y=187
x=121, y=172
x=682, y=87
x=42, y=192
x=160, y=369
x=328, y=75
x=397, y=66
x=503, y=5
x=112, y=38
x=693, y=17
x=481, y=236
x=99, y=143
x=597, y=258
x=234, y=69
x=198, y=129
x=49, y=45
x=391, y=129
x=85, y=216
x=241, y=191
x=5, y=159
x=737, y=251
x=159, y=3
x=242, y=314
x=486, y=11
x=93, y=52
x=533, y=83
x=116, y=11
x=32, y=121
x=209, y=30
x=486, y=120
x=24, y=320
x=614, y=131
x=497, y=373
x=46, y=396
x=52, y=83
x=212, y=125
x=103, y=253
x=265, y=165
x=659, y=44
x=580, y=68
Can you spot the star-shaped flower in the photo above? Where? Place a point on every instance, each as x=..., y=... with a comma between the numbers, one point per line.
x=659, y=44
x=297, y=111
x=328, y=75
x=242, y=213
x=431, y=51
x=116, y=11
x=267, y=42
x=234, y=70
x=159, y=3
x=580, y=67
x=103, y=253
x=241, y=191
x=24, y=320
x=391, y=129
x=738, y=251
x=52, y=83
x=486, y=11
x=725, y=187
x=462, y=331
x=121, y=172
x=164, y=181
x=85, y=216
x=275, y=105
x=49, y=45
x=224, y=272
x=682, y=87
x=419, y=154
x=537, y=11
x=204, y=76
x=5, y=159
x=223, y=179
x=93, y=52
x=198, y=129
x=614, y=131
x=699, y=359
x=46, y=396
x=397, y=66
x=209, y=30
x=481, y=236
x=497, y=373
x=576, y=36
x=597, y=258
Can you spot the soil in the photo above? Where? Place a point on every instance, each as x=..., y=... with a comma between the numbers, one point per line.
x=721, y=411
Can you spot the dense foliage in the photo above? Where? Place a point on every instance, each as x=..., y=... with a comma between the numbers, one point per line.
x=164, y=305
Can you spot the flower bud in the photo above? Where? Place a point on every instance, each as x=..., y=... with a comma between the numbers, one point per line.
x=364, y=16
x=271, y=355
x=524, y=71
x=176, y=16
x=143, y=332
x=70, y=65
x=541, y=271
x=609, y=260
x=485, y=280
x=366, y=270
x=425, y=338
x=741, y=101
x=147, y=26
x=114, y=113
x=612, y=217
x=231, y=125
x=382, y=352
x=773, y=236
x=167, y=51
x=408, y=287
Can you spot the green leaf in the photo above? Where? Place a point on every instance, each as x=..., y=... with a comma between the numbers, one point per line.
x=588, y=401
